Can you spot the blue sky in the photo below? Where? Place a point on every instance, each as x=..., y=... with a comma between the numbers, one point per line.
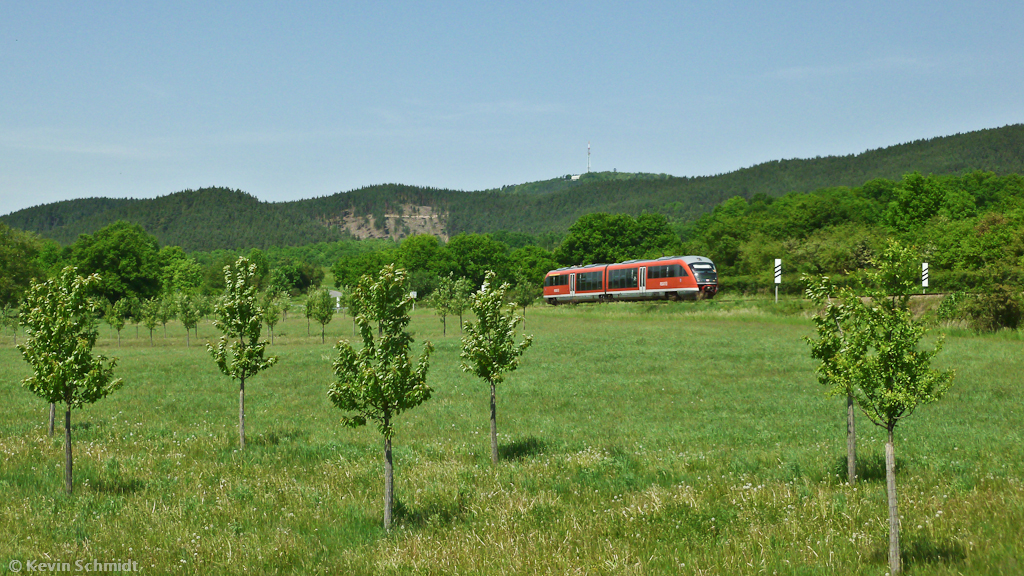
x=296, y=100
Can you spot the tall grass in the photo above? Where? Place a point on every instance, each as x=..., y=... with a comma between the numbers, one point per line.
x=639, y=439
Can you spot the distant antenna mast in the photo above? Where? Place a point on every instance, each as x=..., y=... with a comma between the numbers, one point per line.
x=588, y=157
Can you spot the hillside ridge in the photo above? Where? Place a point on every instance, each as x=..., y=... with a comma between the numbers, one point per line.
x=223, y=218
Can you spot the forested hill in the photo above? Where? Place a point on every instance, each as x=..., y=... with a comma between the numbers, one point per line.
x=204, y=219
x=215, y=218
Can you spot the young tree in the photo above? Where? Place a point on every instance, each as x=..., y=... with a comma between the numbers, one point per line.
x=488, y=348
x=836, y=348
x=240, y=318
x=186, y=308
x=204, y=308
x=524, y=293
x=308, y=309
x=890, y=373
x=379, y=381
x=116, y=315
x=9, y=319
x=271, y=311
x=320, y=307
x=134, y=312
x=286, y=305
x=150, y=313
x=351, y=306
x=442, y=298
x=167, y=311
x=61, y=334
x=462, y=298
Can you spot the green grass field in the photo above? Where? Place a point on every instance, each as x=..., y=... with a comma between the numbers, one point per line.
x=684, y=438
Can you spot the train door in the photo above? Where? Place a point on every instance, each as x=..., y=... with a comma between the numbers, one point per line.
x=572, y=284
x=643, y=279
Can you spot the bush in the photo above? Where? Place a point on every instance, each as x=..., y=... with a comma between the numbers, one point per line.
x=998, y=307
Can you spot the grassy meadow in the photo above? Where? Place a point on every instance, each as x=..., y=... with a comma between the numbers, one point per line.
x=669, y=438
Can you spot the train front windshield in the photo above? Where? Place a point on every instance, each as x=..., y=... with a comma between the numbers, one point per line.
x=704, y=272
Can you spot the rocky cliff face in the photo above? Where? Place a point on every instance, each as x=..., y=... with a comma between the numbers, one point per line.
x=407, y=220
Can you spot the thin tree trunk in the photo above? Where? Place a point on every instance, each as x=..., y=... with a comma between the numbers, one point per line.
x=895, y=564
x=389, y=483
x=524, y=317
x=851, y=440
x=151, y=338
x=67, y=450
x=118, y=338
x=494, y=428
x=444, y=327
x=53, y=415
x=241, y=415
x=353, y=326
x=188, y=336
x=323, y=333
x=307, y=325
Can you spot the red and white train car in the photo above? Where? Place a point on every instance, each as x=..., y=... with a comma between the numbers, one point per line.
x=669, y=277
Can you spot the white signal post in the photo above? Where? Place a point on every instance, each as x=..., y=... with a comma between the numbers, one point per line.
x=778, y=278
x=413, y=296
x=924, y=277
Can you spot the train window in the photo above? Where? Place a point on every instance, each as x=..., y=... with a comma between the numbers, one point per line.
x=588, y=281
x=559, y=280
x=622, y=278
x=668, y=271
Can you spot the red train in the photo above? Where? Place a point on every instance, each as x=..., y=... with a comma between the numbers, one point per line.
x=670, y=277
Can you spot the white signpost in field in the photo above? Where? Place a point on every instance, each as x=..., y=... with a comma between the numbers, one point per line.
x=778, y=277
x=924, y=277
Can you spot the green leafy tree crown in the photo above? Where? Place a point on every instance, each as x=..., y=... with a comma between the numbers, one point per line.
x=488, y=348
x=871, y=346
x=321, y=305
x=58, y=319
x=379, y=381
x=894, y=375
x=240, y=318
